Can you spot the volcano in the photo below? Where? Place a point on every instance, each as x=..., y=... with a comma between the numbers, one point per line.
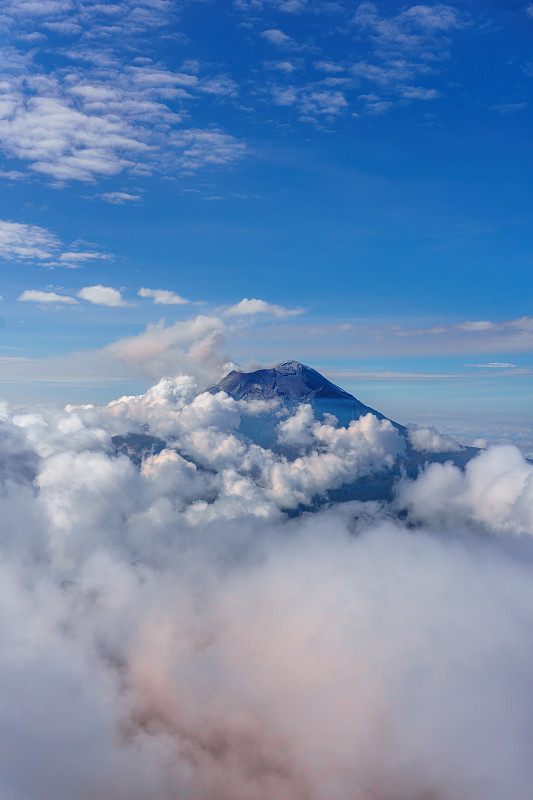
x=285, y=387
x=292, y=383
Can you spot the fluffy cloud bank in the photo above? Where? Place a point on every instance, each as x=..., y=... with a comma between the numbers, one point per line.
x=169, y=630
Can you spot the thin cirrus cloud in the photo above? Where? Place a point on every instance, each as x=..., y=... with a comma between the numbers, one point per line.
x=102, y=296
x=248, y=307
x=162, y=297
x=493, y=365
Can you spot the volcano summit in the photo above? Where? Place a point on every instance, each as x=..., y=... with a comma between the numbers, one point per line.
x=292, y=383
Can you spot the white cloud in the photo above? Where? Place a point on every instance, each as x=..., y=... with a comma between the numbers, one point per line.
x=65, y=143
x=201, y=148
x=19, y=241
x=22, y=242
x=495, y=491
x=477, y=325
x=429, y=440
x=102, y=295
x=329, y=66
x=323, y=102
x=120, y=198
x=432, y=18
x=163, y=297
x=277, y=37
x=79, y=255
x=282, y=66
x=493, y=365
x=254, y=306
x=75, y=259
x=419, y=93
x=187, y=347
x=404, y=49
x=35, y=296
x=114, y=113
x=509, y=108
x=174, y=625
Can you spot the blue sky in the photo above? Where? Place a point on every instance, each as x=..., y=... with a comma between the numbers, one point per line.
x=363, y=169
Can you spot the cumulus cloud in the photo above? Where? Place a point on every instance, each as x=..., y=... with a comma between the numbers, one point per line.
x=36, y=296
x=163, y=297
x=254, y=306
x=495, y=491
x=429, y=440
x=102, y=295
x=170, y=622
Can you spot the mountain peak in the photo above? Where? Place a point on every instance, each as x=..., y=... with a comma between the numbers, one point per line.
x=289, y=381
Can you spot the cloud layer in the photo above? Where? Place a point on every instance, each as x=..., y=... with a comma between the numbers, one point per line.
x=169, y=630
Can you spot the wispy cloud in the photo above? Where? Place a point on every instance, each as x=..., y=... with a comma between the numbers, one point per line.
x=120, y=198
x=477, y=326
x=77, y=258
x=32, y=243
x=198, y=148
x=26, y=242
x=277, y=37
x=509, y=108
x=407, y=48
x=493, y=365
